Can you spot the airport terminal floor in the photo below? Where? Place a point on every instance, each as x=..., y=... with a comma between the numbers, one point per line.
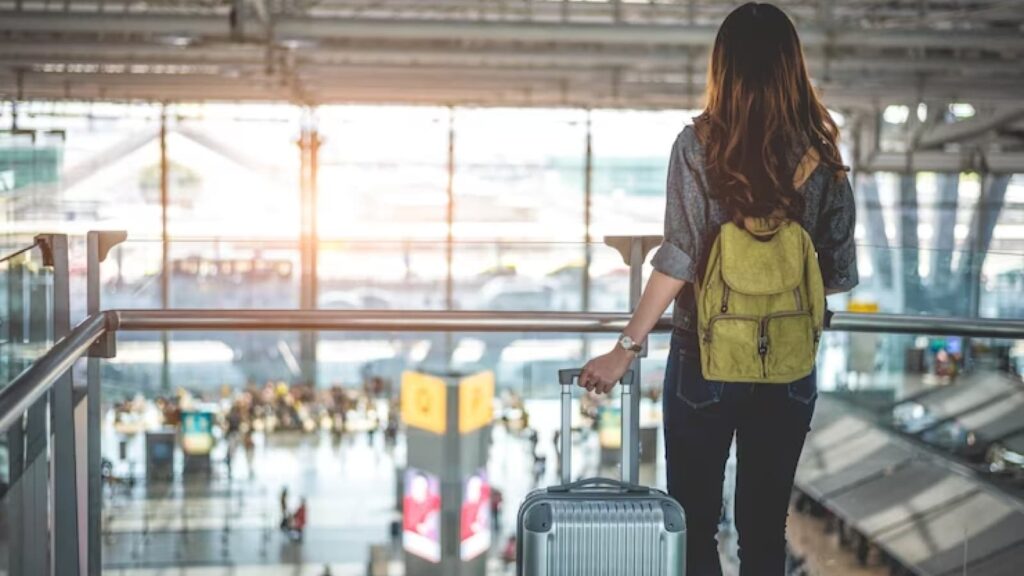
x=219, y=525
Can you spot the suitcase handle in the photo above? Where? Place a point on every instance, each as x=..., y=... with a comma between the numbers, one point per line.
x=566, y=378
x=569, y=375
x=599, y=482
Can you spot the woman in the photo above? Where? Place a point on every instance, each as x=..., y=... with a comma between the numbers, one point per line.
x=764, y=145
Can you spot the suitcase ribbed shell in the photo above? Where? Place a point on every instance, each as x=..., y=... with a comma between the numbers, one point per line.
x=601, y=534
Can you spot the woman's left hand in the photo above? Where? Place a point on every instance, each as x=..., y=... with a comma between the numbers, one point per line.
x=603, y=372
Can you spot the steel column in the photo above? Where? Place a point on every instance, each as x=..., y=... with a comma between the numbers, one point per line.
x=874, y=223
x=449, y=282
x=909, y=244
x=309, y=245
x=165, y=252
x=945, y=239
x=588, y=174
x=983, y=223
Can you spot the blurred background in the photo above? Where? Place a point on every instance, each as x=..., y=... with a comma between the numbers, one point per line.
x=474, y=155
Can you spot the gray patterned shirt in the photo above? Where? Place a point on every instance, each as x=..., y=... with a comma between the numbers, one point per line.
x=692, y=221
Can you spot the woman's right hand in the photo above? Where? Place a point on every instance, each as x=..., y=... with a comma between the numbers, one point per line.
x=601, y=373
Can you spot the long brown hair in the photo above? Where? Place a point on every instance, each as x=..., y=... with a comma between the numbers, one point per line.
x=761, y=109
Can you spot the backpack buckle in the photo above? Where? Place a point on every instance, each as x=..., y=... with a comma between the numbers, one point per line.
x=762, y=345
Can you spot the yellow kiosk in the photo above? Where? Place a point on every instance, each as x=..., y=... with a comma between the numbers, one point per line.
x=446, y=524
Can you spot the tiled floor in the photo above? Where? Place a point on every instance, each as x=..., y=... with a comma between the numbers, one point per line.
x=822, y=553
x=220, y=527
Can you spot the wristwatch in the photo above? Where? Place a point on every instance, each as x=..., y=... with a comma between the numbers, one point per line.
x=628, y=343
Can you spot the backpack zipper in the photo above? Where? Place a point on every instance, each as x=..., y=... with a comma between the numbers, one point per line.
x=799, y=301
x=762, y=346
x=762, y=343
x=725, y=299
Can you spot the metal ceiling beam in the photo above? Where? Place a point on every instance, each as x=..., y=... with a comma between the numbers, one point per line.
x=907, y=13
x=328, y=29
x=24, y=52
x=971, y=128
x=414, y=78
x=339, y=88
x=936, y=161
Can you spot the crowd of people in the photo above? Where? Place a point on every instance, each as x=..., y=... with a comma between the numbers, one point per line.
x=271, y=407
x=276, y=407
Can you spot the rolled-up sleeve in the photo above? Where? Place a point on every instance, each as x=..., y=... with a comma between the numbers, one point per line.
x=685, y=217
x=837, y=252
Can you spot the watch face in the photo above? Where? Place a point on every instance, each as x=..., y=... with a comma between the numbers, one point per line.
x=626, y=342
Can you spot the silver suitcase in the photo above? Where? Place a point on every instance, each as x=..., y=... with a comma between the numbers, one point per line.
x=600, y=526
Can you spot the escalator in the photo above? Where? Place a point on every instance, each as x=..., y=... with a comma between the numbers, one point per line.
x=928, y=513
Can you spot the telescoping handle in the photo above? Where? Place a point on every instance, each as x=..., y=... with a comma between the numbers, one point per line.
x=566, y=378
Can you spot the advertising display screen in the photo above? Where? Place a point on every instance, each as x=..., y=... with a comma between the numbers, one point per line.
x=421, y=514
x=475, y=532
x=196, y=433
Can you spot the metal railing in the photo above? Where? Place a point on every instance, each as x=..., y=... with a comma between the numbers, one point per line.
x=32, y=383
x=95, y=338
x=18, y=251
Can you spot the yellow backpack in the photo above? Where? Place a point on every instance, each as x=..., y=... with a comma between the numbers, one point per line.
x=761, y=302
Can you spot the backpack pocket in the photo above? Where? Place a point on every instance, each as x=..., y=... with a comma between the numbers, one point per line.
x=729, y=348
x=790, y=345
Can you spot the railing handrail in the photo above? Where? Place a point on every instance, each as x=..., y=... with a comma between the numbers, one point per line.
x=498, y=321
x=17, y=396
x=30, y=385
x=19, y=251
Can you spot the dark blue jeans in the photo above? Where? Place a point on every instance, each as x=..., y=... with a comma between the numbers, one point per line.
x=770, y=422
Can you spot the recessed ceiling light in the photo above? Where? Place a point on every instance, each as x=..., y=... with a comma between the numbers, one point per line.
x=176, y=39
x=295, y=43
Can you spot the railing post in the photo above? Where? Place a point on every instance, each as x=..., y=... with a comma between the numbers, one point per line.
x=634, y=250
x=98, y=246
x=65, y=492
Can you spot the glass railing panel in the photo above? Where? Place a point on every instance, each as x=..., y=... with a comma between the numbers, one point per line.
x=1002, y=283
x=935, y=282
x=25, y=498
x=281, y=432
x=951, y=396
x=878, y=369
x=26, y=311
x=26, y=332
